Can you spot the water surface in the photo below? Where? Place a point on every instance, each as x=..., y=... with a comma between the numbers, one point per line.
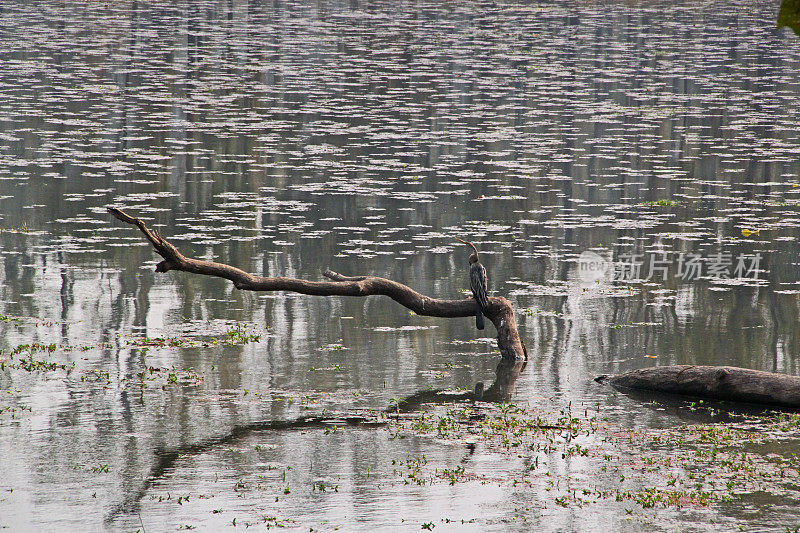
x=288, y=137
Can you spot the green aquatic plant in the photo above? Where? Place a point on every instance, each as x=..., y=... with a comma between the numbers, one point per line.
x=661, y=203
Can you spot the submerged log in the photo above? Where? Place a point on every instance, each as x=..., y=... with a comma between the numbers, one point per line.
x=499, y=310
x=716, y=382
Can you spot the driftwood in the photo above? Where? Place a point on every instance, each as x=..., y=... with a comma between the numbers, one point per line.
x=714, y=382
x=499, y=311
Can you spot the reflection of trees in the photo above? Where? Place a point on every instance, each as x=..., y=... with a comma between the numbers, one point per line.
x=200, y=183
x=744, y=326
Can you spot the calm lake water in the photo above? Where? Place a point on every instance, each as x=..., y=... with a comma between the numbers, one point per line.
x=288, y=137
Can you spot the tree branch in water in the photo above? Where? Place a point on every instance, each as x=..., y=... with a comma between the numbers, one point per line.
x=499, y=311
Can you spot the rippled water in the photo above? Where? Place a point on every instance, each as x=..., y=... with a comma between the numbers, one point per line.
x=288, y=137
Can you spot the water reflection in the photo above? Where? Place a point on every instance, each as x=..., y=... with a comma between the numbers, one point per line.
x=698, y=410
x=501, y=390
x=166, y=459
x=289, y=137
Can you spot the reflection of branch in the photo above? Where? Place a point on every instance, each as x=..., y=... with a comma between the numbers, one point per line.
x=499, y=391
x=503, y=386
x=166, y=459
x=499, y=311
x=415, y=401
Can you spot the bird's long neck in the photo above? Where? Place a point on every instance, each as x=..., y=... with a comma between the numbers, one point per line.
x=473, y=247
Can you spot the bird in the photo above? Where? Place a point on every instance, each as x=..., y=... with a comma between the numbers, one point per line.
x=477, y=282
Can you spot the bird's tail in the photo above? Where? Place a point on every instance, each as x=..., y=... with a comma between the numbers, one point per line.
x=479, y=318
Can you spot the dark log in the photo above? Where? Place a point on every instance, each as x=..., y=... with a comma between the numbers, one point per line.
x=715, y=382
x=499, y=311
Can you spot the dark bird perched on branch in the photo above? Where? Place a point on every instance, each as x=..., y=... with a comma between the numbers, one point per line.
x=477, y=282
